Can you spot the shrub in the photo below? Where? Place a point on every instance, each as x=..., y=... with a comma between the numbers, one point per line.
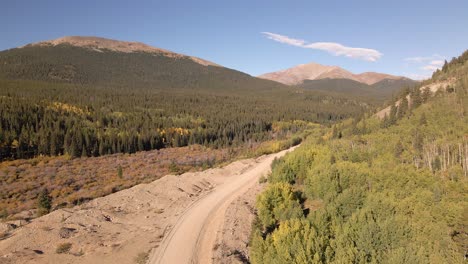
x=173, y=168
x=142, y=258
x=278, y=203
x=63, y=248
x=3, y=213
x=120, y=172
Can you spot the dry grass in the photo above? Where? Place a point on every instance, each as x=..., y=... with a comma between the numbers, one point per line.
x=142, y=258
x=74, y=181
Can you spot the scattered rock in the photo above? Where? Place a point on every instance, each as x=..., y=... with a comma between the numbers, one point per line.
x=17, y=223
x=66, y=232
x=6, y=227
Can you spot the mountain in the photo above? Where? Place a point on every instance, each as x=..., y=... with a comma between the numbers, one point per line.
x=378, y=91
x=298, y=74
x=375, y=77
x=103, y=44
x=348, y=87
x=313, y=71
x=89, y=96
x=100, y=61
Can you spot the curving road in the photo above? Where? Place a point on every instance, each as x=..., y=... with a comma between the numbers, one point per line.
x=193, y=237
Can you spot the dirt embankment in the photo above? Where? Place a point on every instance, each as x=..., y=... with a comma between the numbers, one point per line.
x=232, y=241
x=125, y=226
x=197, y=230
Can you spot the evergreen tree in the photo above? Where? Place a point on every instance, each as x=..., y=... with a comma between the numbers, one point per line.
x=120, y=171
x=416, y=98
x=44, y=202
x=402, y=108
x=445, y=67
x=393, y=114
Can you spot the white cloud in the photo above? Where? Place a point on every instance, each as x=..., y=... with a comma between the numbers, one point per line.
x=427, y=63
x=284, y=39
x=437, y=63
x=418, y=59
x=430, y=67
x=424, y=59
x=330, y=47
x=419, y=77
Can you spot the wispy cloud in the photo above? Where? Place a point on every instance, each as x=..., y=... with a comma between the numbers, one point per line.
x=424, y=59
x=437, y=62
x=285, y=39
x=430, y=67
x=330, y=47
x=428, y=64
x=418, y=77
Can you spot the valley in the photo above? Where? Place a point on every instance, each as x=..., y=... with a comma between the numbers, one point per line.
x=368, y=86
x=116, y=151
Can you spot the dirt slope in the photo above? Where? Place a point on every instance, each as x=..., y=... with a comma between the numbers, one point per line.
x=119, y=227
x=197, y=229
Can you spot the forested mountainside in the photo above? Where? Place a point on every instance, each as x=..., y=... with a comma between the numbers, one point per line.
x=372, y=190
x=79, y=101
x=376, y=93
x=81, y=65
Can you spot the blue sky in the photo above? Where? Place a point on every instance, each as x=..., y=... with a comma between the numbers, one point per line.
x=399, y=37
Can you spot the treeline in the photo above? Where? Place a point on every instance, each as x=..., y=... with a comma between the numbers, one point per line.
x=69, y=100
x=370, y=191
x=53, y=119
x=455, y=68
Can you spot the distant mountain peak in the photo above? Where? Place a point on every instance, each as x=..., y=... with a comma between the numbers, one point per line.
x=296, y=75
x=99, y=44
x=314, y=71
x=375, y=77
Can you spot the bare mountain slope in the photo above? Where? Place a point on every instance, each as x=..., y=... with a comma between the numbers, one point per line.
x=298, y=74
x=338, y=73
x=100, y=44
x=375, y=77
x=313, y=71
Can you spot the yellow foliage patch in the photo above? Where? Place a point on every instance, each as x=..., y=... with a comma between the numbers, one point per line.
x=57, y=106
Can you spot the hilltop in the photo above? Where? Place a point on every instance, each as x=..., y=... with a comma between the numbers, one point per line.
x=103, y=44
x=313, y=71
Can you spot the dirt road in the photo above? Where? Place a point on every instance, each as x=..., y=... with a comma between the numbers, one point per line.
x=193, y=237
x=173, y=218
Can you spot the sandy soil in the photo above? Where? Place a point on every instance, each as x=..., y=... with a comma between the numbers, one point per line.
x=122, y=226
x=197, y=230
x=233, y=241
